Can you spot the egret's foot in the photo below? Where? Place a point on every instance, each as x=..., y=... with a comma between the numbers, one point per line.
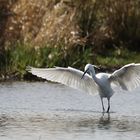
x=108, y=110
x=103, y=113
x=103, y=110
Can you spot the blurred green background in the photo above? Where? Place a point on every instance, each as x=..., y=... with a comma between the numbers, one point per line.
x=47, y=33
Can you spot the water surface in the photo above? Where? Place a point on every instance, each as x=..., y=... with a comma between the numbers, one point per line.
x=46, y=111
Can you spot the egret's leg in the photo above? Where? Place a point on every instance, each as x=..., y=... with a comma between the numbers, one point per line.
x=108, y=105
x=102, y=105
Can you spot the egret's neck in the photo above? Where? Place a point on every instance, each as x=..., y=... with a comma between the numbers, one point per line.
x=93, y=74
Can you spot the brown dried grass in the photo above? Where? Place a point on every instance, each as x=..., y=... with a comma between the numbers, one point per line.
x=94, y=23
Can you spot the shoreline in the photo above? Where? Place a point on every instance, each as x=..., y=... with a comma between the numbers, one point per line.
x=14, y=60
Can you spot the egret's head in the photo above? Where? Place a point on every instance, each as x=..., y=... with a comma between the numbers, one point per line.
x=89, y=69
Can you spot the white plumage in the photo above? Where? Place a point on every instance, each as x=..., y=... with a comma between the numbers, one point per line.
x=127, y=77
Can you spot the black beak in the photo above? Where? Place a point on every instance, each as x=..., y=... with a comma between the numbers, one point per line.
x=84, y=74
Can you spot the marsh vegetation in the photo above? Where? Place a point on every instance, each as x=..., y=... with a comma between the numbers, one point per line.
x=67, y=32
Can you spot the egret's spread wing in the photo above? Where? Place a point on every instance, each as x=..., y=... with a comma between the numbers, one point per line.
x=67, y=76
x=128, y=77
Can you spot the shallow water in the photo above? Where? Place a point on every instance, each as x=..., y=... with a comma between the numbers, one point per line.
x=46, y=111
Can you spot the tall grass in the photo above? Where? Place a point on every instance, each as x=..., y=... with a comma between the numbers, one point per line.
x=68, y=32
x=16, y=58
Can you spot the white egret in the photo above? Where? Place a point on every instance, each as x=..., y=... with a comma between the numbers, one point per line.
x=127, y=77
